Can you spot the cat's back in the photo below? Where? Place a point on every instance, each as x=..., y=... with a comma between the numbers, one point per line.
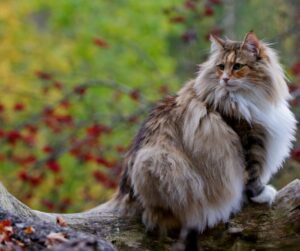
x=185, y=154
x=187, y=124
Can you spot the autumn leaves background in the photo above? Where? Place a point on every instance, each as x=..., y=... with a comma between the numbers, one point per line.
x=78, y=77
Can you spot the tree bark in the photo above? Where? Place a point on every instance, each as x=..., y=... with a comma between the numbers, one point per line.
x=256, y=226
x=229, y=19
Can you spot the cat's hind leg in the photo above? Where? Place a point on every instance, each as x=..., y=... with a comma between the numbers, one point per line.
x=168, y=188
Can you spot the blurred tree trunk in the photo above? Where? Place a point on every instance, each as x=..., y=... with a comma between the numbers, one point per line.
x=229, y=19
x=294, y=29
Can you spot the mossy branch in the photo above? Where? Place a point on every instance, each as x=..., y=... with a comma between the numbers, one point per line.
x=255, y=226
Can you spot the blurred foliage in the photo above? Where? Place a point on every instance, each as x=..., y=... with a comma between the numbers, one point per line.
x=78, y=77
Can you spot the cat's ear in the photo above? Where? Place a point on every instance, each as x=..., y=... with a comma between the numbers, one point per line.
x=251, y=43
x=216, y=43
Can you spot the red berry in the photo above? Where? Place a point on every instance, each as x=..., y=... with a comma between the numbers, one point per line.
x=99, y=176
x=32, y=129
x=2, y=108
x=19, y=107
x=2, y=157
x=296, y=68
x=57, y=85
x=53, y=166
x=48, y=111
x=23, y=175
x=208, y=11
x=43, y=75
x=189, y=36
x=13, y=136
x=75, y=151
x=135, y=94
x=48, y=149
x=133, y=119
x=48, y=204
x=190, y=4
x=100, y=42
x=121, y=149
x=296, y=154
x=103, y=179
x=177, y=19
x=80, y=90
x=2, y=133
x=104, y=162
x=35, y=180
x=87, y=157
x=64, y=119
x=27, y=160
x=215, y=1
x=97, y=129
x=65, y=103
x=29, y=140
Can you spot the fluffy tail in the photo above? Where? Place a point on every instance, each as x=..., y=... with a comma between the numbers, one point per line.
x=119, y=204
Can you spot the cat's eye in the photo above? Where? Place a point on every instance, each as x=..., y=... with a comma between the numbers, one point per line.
x=221, y=67
x=237, y=66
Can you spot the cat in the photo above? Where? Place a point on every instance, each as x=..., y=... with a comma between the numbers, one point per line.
x=223, y=135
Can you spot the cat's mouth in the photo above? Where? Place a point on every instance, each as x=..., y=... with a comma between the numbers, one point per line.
x=229, y=85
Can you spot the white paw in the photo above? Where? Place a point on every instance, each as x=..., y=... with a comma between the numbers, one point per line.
x=266, y=196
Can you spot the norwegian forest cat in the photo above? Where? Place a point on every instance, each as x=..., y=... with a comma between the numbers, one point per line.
x=222, y=136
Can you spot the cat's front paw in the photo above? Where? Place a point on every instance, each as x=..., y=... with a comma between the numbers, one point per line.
x=266, y=196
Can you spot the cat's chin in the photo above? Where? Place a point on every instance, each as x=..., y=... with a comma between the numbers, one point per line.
x=229, y=86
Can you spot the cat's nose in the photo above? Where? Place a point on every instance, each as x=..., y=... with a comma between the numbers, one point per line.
x=226, y=80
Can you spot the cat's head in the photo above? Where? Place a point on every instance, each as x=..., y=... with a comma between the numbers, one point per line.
x=249, y=68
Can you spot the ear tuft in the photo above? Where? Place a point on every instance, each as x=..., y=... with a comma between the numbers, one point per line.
x=251, y=43
x=216, y=42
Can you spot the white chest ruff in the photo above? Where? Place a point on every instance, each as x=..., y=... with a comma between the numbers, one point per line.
x=280, y=124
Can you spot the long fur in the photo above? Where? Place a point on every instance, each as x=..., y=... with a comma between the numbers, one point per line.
x=187, y=167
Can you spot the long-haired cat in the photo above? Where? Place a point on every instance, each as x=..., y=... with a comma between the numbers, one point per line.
x=222, y=136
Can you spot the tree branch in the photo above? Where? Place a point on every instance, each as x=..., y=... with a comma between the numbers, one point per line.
x=255, y=226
